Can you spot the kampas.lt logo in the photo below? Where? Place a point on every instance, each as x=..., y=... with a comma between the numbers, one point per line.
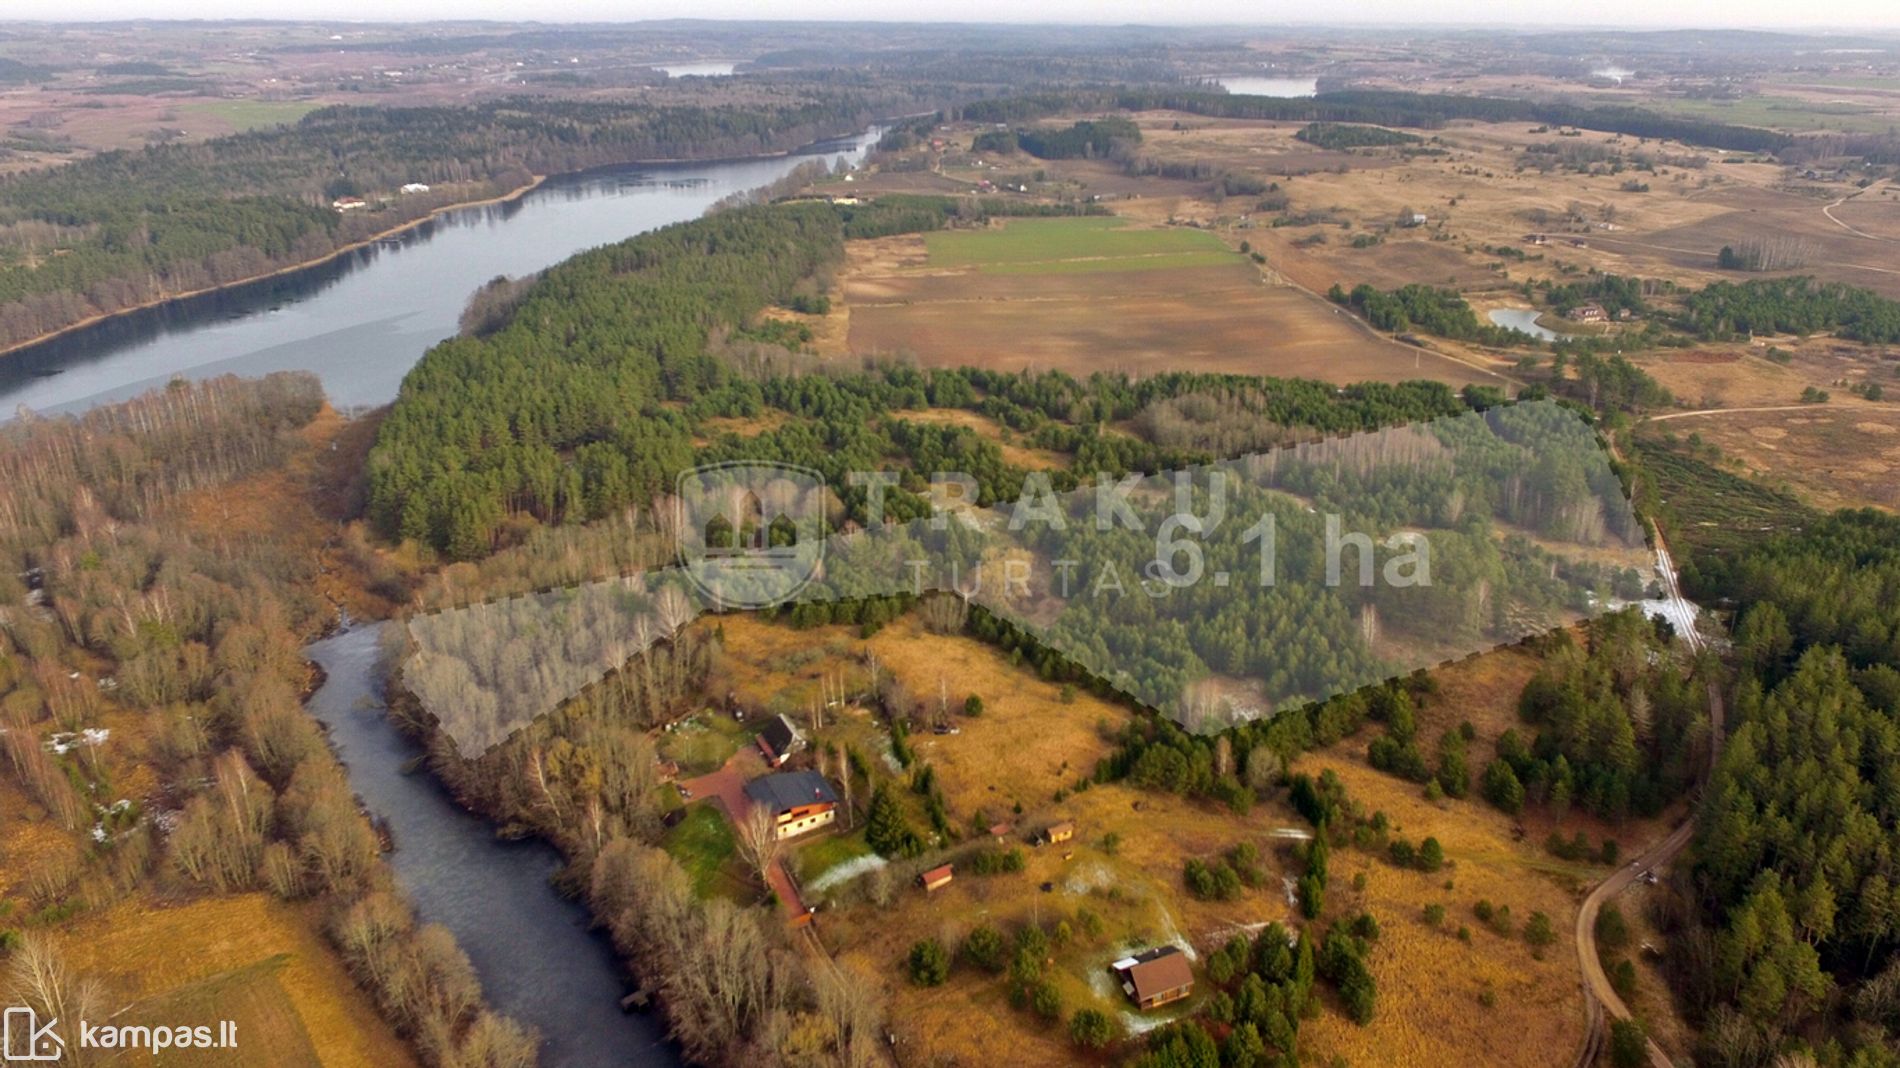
x=26, y=1041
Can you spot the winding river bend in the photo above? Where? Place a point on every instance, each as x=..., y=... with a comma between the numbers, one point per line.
x=538, y=961
x=362, y=320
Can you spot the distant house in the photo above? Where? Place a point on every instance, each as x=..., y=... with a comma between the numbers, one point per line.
x=1411, y=219
x=1587, y=313
x=936, y=878
x=799, y=801
x=349, y=203
x=778, y=740
x=1060, y=832
x=1537, y=239
x=999, y=831
x=1155, y=977
x=414, y=187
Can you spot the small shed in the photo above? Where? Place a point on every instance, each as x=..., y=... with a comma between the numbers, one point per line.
x=936, y=878
x=1155, y=977
x=778, y=740
x=1060, y=832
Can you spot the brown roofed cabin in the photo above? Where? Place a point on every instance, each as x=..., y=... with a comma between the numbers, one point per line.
x=1155, y=977
x=799, y=801
x=1061, y=832
x=1588, y=313
x=937, y=878
x=778, y=740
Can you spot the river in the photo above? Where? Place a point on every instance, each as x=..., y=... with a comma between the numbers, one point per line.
x=538, y=961
x=362, y=320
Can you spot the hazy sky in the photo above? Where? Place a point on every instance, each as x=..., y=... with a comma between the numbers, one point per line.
x=1602, y=14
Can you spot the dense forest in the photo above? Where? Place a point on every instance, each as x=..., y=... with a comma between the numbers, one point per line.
x=1790, y=925
x=1342, y=135
x=662, y=332
x=150, y=682
x=1799, y=305
x=123, y=228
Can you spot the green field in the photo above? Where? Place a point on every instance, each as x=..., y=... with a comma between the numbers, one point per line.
x=269, y=1031
x=250, y=114
x=704, y=845
x=821, y=856
x=1074, y=246
x=1780, y=113
x=704, y=742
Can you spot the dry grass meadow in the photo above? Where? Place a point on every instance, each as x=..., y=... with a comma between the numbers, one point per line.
x=1442, y=1000
x=1832, y=456
x=1200, y=307
x=143, y=950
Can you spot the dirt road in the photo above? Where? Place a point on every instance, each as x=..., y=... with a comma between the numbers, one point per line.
x=1600, y=997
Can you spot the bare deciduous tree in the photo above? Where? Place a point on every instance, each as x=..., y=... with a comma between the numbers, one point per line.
x=758, y=839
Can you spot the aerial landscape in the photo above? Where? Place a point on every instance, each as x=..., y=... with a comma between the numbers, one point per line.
x=1154, y=538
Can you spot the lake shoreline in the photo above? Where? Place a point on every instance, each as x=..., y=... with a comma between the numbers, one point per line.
x=278, y=272
x=382, y=235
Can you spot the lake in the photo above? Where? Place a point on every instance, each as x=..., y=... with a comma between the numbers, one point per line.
x=698, y=70
x=362, y=320
x=1524, y=319
x=1249, y=85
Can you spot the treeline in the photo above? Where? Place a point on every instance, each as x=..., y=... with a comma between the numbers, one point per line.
x=1343, y=135
x=1443, y=312
x=191, y=645
x=1384, y=108
x=733, y=989
x=1792, y=923
x=655, y=341
x=480, y=431
x=1087, y=139
x=127, y=462
x=1791, y=306
x=1621, y=726
x=141, y=225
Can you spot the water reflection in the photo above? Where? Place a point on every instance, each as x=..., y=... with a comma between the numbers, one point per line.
x=360, y=321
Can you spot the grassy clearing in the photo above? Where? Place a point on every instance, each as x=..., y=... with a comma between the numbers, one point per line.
x=821, y=856
x=141, y=951
x=704, y=742
x=241, y=115
x=1036, y=246
x=1444, y=1000
x=1028, y=744
x=1779, y=113
x=1710, y=510
x=704, y=845
x=1158, y=261
x=268, y=1028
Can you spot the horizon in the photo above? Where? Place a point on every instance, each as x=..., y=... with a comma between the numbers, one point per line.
x=1869, y=18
